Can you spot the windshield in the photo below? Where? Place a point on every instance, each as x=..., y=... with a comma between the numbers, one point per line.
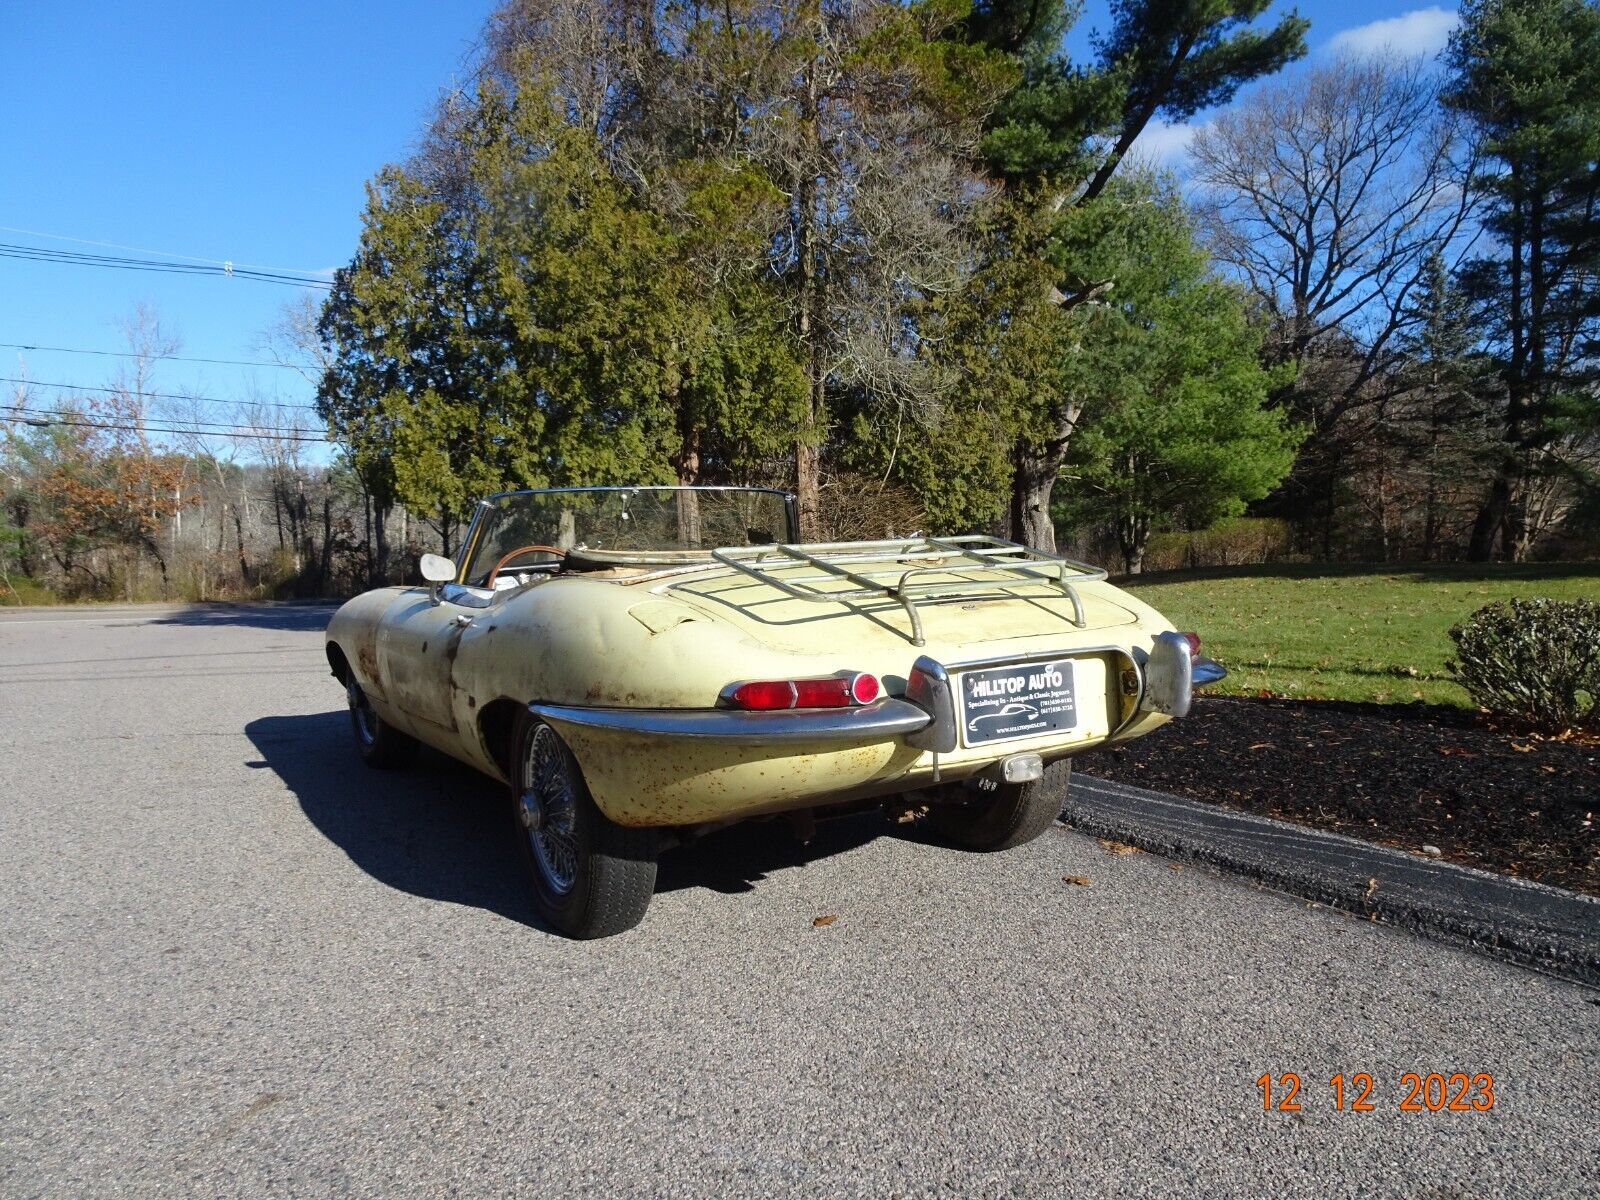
x=621, y=525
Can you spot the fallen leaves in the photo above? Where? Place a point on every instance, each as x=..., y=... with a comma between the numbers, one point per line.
x=1076, y=880
x=1457, y=752
x=1117, y=848
x=1262, y=746
x=824, y=921
x=1372, y=888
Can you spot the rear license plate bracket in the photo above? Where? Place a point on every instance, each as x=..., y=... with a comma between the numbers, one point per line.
x=1017, y=701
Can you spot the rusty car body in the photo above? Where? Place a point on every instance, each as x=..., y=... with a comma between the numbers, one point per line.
x=645, y=664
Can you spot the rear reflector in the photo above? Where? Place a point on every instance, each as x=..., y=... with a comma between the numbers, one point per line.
x=864, y=688
x=836, y=691
x=1194, y=643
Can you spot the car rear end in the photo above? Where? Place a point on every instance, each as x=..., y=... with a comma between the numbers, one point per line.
x=809, y=703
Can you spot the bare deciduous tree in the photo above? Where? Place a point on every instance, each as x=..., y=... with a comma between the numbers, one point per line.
x=1329, y=194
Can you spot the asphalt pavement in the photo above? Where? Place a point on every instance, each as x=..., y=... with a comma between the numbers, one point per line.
x=236, y=962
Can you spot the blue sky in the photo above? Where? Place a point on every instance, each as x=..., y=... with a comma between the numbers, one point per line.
x=246, y=132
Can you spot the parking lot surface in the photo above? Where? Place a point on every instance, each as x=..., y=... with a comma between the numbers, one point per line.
x=237, y=962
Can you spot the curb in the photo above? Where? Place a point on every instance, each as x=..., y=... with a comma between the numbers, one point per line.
x=1525, y=923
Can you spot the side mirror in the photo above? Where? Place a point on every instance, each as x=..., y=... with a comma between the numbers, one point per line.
x=437, y=569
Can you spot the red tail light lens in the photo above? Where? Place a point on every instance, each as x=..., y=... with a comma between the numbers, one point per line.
x=864, y=688
x=768, y=694
x=1194, y=643
x=836, y=691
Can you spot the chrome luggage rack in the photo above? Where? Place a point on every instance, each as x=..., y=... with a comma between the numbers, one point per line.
x=977, y=567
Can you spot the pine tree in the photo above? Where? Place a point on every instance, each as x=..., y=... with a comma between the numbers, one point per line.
x=1526, y=73
x=1181, y=433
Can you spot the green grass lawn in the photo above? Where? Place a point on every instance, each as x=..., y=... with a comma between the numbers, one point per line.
x=1347, y=632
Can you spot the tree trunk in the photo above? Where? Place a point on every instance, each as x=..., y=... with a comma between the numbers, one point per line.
x=808, y=487
x=1034, y=481
x=327, y=545
x=807, y=451
x=1493, y=514
x=1133, y=535
x=687, y=464
x=380, y=562
x=238, y=533
x=1034, y=472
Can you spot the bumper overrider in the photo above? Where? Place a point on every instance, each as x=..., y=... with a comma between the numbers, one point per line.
x=925, y=718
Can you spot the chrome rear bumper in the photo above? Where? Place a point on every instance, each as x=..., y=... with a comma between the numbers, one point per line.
x=926, y=718
x=1171, y=674
x=887, y=718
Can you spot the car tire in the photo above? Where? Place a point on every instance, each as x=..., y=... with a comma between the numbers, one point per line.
x=381, y=745
x=590, y=877
x=1004, y=817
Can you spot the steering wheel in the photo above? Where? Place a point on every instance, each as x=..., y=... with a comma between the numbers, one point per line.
x=501, y=565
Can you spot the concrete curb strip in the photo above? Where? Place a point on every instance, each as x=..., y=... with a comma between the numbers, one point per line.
x=1522, y=922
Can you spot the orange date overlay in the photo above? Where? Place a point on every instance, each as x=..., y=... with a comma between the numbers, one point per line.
x=1431, y=1092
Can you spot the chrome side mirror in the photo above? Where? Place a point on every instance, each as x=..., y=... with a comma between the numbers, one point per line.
x=436, y=570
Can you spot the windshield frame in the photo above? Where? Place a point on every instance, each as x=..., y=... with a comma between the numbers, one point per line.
x=469, y=544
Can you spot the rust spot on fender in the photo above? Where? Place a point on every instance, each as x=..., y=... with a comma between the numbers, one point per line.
x=367, y=661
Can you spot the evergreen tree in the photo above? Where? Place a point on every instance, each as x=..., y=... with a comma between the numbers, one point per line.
x=1061, y=134
x=1181, y=432
x=1526, y=73
x=1447, y=435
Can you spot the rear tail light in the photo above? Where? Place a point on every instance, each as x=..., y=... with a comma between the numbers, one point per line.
x=1194, y=643
x=836, y=691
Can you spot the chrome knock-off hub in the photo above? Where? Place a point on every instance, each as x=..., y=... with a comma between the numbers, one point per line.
x=530, y=811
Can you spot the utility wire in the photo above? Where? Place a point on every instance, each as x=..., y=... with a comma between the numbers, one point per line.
x=77, y=415
x=79, y=424
x=89, y=387
x=220, y=362
x=61, y=237
x=225, y=270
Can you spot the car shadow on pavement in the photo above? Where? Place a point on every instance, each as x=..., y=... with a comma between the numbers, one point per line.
x=296, y=618
x=738, y=858
x=442, y=831
x=437, y=829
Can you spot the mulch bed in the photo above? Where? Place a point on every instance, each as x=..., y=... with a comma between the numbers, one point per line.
x=1402, y=775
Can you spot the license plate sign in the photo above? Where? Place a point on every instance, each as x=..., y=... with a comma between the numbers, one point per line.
x=1018, y=701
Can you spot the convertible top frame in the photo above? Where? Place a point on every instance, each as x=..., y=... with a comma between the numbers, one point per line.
x=969, y=567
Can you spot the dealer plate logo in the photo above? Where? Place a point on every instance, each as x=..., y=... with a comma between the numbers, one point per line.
x=1019, y=701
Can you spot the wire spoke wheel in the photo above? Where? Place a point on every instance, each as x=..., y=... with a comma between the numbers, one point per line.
x=362, y=717
x=590, y=877
x=547, y=806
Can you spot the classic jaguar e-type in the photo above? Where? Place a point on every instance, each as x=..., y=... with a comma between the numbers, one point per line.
x=646, y=664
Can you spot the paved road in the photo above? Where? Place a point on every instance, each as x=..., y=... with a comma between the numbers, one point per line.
x=237, y=963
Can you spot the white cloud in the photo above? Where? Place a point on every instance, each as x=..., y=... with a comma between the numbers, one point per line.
x=1163, y=144
x=1422, y=32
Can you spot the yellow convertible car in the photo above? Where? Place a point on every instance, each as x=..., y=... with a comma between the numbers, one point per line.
x=644, y=664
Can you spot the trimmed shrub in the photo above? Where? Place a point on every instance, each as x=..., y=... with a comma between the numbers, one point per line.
x=1534, y=660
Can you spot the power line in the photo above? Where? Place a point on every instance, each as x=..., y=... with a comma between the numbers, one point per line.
x=79, y=424
x=61, y=237
x=220, y=362
x=157, y=266
x=90, y=387
x=76, y=414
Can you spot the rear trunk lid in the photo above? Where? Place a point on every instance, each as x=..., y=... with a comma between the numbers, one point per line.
x=859, y=597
